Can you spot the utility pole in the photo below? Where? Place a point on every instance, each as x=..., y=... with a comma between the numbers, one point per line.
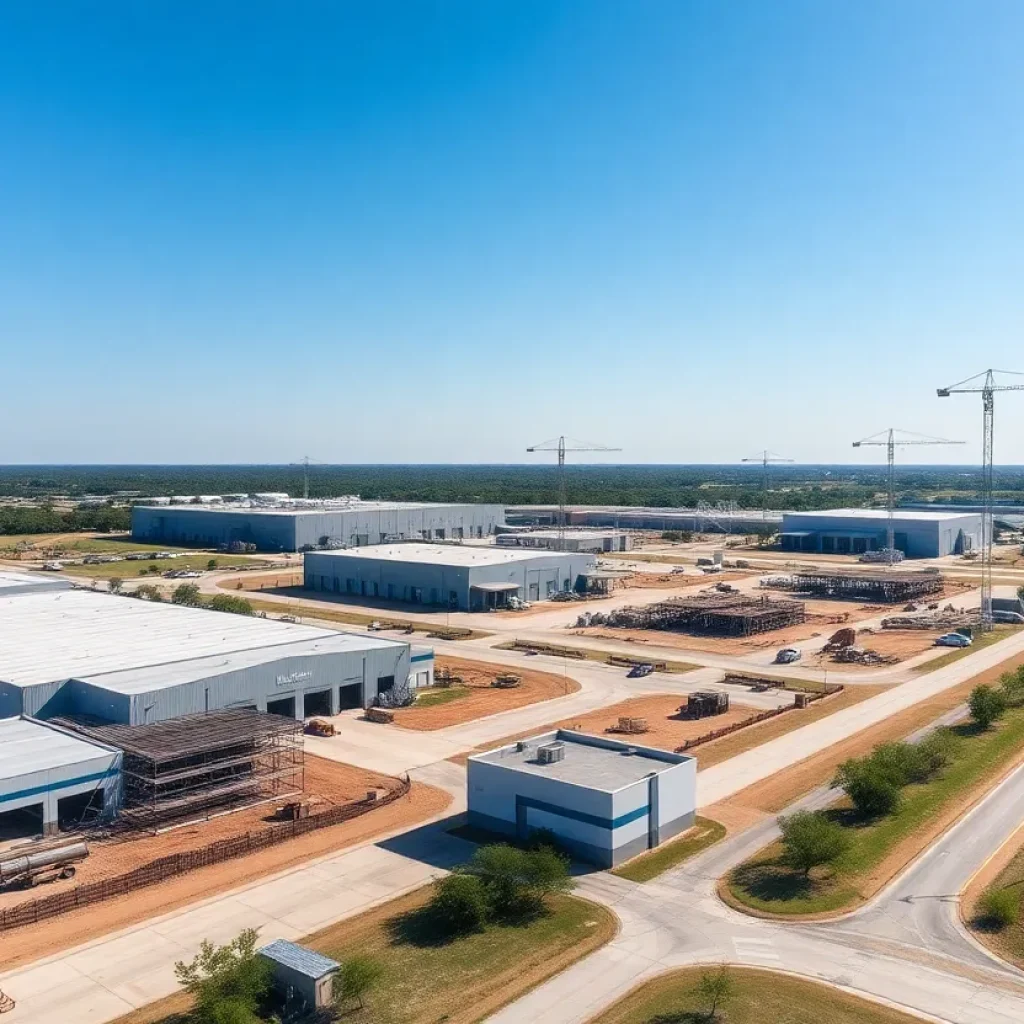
x=889, y=440
x=559, y=445
x=984, y=384
x=766, y=458
x=305, y=462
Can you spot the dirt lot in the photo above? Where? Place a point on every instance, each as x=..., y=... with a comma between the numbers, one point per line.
x=669, y=581
x=774, y=794
x=710, y=644
x=477, y=698
x=29, y=943
x=899, y=643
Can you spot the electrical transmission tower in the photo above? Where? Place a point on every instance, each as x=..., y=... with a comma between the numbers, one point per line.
x=766, y=458
x=559, y=445
x=984, y=384
x=305, y=462
x=890, y=441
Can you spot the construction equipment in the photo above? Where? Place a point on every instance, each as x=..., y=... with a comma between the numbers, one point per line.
x=766, y=458
x=506, y=681
x=559, y=445
x=294, y=810
x=705, y=703
x=318, y=727
x=984, y=383
x=889, y=440
x=45, y=866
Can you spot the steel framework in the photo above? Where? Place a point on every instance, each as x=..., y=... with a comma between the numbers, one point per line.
x=766, y=458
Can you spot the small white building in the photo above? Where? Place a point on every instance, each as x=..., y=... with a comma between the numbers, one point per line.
x=49, y=775
x=605, y=800
x=594, y=541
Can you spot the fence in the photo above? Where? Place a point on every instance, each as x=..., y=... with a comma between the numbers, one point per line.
x=762, y=716
x=189, y=860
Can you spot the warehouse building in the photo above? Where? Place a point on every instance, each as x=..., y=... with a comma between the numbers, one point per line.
x=77, y=652
x=855, y=531
x=606, y=801
x=462, y=577
x=51, y=777
x=717, y=518
x=594, y=541
x=293, y=525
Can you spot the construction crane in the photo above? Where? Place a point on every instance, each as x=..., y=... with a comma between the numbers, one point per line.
x=984, y=384
x=889, y=440
x=559, y=445
x=305, y=462
x=766, y=458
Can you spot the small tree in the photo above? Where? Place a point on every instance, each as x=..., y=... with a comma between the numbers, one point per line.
x=114, y=584
x=459, y=904
x=230, y=603
x=212, y=563
x=986, y=705
x=714, y=989
x=811, y=839
x=871, y=791
x=1011, y=686
x=228, y=982
x=186, y=594
x=518, y=880
x=358, y=975
x=999, y=908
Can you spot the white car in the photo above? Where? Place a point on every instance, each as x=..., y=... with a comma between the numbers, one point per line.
x=953, y=640
x=788, y=655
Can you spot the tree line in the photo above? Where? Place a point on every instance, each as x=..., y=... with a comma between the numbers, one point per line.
x=16, y=519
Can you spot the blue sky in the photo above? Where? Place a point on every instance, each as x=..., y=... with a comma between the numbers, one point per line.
x=443, y=231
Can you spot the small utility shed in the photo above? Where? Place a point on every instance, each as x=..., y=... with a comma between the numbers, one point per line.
x=605, y=800
x=301, y=974
x=48, y=775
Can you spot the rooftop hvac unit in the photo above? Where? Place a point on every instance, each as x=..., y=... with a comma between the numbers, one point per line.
x=550, y=753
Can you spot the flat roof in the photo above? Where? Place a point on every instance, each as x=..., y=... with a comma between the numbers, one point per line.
x=305, y=961
x=80, y=634
x=23, y=582
x=570, y=534
x=300, y=507
x=880, y=513
x=594, y=762
x=28, y=746
x=456, y=555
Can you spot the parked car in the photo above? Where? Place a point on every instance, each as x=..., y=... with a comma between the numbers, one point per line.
x=788, y=655
x=640, y=670
x=953, y=640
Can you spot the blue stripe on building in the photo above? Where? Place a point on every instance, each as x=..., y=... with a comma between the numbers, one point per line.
x=63, y=784
x=587, y=819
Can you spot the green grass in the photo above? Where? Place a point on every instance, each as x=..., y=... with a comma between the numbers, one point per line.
x=429, y=698
x=134, y=570
x=981, y=641
x=84, y=545
x=765, y=884
x=759, y=997
x=1008, y=940
x=704, y=833
x=427, y=980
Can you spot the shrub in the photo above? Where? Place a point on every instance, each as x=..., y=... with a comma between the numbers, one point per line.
x=114, y=584
x=999, y=908
x=809, y=839
x=230, y=603
x=937, y=751
x=357, y=976
x=986, y=705
x=459, y=904
x=516, y=881
x=227, y=982
x=872, y=792
x=1011, y=686
x=186, y=594
x=899, y=763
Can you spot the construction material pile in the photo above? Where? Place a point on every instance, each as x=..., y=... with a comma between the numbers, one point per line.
x=840, y=639
x=863, y=656
x=946, y=620
x=877, y=587
x=704, y=703
x=713, y=613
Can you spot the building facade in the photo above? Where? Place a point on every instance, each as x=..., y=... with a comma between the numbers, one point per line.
x=76, y=652
x=855, y=531
x=298, y=526
x=460, y=577
x=595, y=541
x=606, y=801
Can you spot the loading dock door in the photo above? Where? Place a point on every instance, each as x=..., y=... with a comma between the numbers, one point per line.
x=350, y=696
x=284, y=706
x=316, y=703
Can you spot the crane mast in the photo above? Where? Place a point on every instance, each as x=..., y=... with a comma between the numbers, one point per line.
x=766, y=458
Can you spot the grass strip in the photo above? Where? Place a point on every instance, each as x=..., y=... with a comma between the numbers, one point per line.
x=765, y=884
x=758, y=996
x=429, y=698
x=425, y=980
x=981, y=641
x=704, y=833
x=603, y=657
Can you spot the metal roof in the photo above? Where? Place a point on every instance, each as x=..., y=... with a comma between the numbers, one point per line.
x=495, y=588
x=590, y=761
x=79, y=634
x=880, y=514
x=307, y=962
x=305, y=507
x=28, y=746
x=12, y=583
x=454, y=555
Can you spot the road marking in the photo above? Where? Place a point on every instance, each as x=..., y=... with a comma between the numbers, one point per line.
x=755, y=949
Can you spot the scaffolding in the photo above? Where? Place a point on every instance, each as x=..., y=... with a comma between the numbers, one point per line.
x=712, y=615
x=881, y=588
x=186, y=767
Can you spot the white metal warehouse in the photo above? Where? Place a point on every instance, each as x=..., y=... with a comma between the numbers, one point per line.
x=77, y=652
x=49, y=775
x=605, y=800
x=296, y=525
x=464, y=577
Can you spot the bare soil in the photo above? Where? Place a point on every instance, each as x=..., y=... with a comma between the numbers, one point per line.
x=30, y=943
x=484, y=699
x=710, y=644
